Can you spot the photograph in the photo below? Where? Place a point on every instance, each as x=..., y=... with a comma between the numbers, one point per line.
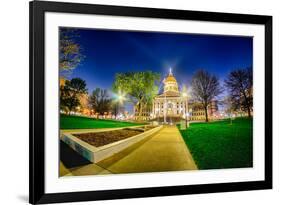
x=133, y=101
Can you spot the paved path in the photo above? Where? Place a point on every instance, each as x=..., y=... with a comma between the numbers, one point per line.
x=163, y=151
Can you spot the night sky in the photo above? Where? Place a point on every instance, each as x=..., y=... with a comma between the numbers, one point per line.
x=109, y=51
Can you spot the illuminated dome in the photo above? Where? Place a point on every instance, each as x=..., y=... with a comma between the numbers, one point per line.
x=170, y=83
x=170, y=78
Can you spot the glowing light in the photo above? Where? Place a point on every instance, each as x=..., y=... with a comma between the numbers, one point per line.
x=184, y=94
x=120, y=97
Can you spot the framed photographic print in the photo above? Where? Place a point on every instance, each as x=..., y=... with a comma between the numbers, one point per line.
x=140, y=102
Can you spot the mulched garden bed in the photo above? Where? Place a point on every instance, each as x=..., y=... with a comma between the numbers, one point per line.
x=98, y=139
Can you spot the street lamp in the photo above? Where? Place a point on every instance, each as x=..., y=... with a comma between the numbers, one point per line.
x=120, y=98
x=184, y=95
x=187, y=117
x=165, y=108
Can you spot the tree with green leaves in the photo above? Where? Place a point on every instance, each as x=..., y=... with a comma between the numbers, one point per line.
x=205, y=88
x=100, y=101
x=240, y=84
x=140, y=87
x=69, y=50
x=70, y=93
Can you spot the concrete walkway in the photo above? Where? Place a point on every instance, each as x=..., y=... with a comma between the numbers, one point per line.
x=163, y=151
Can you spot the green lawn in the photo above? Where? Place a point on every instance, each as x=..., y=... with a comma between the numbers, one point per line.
x=219, y=144
x=77, y=122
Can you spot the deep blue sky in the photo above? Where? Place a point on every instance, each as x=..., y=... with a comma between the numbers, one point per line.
x=111, y=51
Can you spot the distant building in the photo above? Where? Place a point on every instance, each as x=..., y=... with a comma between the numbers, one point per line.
x=197, y=112
x=84, y=107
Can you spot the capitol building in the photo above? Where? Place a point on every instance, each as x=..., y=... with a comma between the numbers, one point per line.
x=173, y=104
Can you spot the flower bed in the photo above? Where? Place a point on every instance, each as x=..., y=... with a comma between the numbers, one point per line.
x=96, y=146
x=99, y=139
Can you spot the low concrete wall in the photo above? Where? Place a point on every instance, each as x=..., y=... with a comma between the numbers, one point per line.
x=80, y=131
x=96, y=154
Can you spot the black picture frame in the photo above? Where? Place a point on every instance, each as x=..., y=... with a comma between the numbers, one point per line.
x=37, y=194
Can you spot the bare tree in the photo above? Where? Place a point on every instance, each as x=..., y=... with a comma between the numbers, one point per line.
x=69, y=50
x=205, y=87
x=240, y=84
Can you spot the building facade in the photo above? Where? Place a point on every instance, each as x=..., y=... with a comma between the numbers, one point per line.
x=197, y=112
x=171, y=104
